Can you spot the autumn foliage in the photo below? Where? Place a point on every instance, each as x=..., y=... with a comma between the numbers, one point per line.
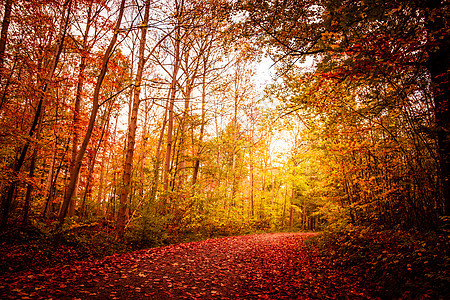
x=148, y=123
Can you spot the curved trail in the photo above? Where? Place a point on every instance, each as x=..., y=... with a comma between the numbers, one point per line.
x=264, y=266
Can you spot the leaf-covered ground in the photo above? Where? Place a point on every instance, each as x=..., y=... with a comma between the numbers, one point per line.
x=264, y=266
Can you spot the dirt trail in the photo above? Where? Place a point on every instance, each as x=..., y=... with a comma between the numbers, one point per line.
x=264, y=266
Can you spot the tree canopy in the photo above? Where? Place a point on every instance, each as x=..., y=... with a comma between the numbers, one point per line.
x=146, y=115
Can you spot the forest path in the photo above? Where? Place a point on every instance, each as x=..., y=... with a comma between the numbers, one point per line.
x=262, y=266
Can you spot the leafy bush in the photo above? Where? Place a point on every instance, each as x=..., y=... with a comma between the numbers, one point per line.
x=37, y=246
x=392, y=263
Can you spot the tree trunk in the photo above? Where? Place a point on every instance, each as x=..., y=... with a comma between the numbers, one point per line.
x=53, y=180
x=252, y=184
x=76, y=111
x=157, y=164
x=143, y=148
x=101, y=187
x=126, y=178
x=88, y=188
x=184, y=126
x=4, y=32
x=26, y=206
x=173, y=85
x=95, y=106
x=235, y=134
x=202, y=126
x=49, y=184
x=291, y=217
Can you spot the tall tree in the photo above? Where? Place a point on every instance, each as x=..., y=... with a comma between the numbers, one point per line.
x=95, y=107
x=179, y=15
x=125, y=189
x=84, y=50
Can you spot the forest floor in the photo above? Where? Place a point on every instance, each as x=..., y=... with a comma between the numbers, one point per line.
x=262, y=266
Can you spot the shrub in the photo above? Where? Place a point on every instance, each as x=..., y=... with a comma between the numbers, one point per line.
x=392, y=263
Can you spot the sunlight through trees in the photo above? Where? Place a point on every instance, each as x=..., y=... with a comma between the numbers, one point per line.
x=150, y=116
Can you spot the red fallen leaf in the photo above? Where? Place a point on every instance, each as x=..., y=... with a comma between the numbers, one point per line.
x=267, y=262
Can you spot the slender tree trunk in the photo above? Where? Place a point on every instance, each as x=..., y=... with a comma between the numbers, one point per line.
x=101, y=187
x=95, y=106
x=173, y=85
x=26, y=206
x=126, y=178
x=235, y=134
x=109, y=202
x=273, y=188
x=291, y=217
x=88, y=187
x=184, y=125
x=142, y=190
x=202, y=125
x=142, y=154
x=157, y=165
x=4, y=32
x=252, y=187
x=49, y=184
x=304, y=218
x=53, y=180
x=77, y=106
x=176, y=157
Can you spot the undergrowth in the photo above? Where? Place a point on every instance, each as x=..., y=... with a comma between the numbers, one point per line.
x=391, y=264
x=36, y=247
x=39, y=245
